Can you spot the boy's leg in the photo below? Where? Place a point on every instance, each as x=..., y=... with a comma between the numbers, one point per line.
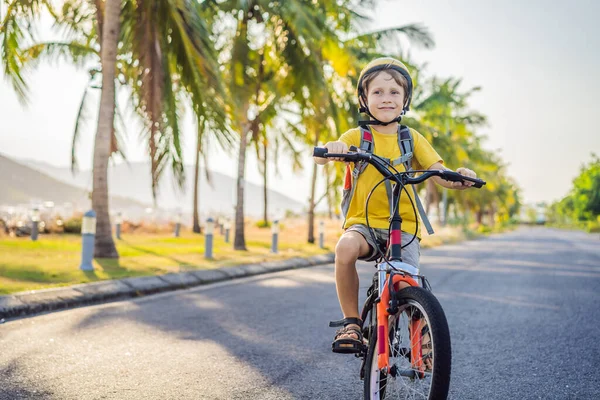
x=411, y=250
x=349, y=248
x=411, y=254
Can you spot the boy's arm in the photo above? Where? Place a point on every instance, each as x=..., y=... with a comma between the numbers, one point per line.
x=335, y=148
x=454, y=185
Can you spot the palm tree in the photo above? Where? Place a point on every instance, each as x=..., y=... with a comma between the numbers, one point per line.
x=265, y=138
x=288, y=32
x=165, y=51
x=195, y=215
x=207, y=131
x=210, y=111
x=441, y=114
x=168, y=53
x=105, y=246
x=16, y=30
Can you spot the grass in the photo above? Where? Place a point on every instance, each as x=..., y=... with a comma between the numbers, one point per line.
x=53, y=260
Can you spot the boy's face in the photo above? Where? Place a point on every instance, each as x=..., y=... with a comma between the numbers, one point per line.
x=385, y=97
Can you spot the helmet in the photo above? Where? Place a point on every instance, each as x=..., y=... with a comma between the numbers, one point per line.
x=381, y=64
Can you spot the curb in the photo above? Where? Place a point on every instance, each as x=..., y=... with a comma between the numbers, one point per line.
x=38, y=301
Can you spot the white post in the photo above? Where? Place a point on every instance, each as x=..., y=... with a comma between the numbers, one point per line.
x=88, y=235
x=275, y=233
x=208, y=236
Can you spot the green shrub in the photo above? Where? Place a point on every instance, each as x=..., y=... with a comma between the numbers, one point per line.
x=72, y=225
x=263, y=224
x=469, y=233
x=267, y=224
x=484, y=229
x=593, y=227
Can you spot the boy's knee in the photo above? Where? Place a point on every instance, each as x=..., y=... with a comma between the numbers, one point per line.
x=347, y=250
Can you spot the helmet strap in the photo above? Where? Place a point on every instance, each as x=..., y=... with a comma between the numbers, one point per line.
x=377, y=122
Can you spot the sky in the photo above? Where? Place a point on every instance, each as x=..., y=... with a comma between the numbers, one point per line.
x=535, y=61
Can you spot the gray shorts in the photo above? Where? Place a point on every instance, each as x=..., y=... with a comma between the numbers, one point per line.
x=410, y=253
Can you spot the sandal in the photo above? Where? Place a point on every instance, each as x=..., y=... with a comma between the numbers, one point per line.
x=343, y=341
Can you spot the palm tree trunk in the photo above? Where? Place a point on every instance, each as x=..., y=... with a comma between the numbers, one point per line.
x=265, y=186
x=311, y=201
x=196, y=223
x=465, y=206
x=436, y=202
x=104, y=244
x=444, y=206
x=479, y=216
x=239, y=242
x=432, y=197
x=328, y=192
x=492, y=215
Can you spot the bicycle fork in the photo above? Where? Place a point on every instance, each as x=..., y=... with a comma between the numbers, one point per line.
x=383, y=314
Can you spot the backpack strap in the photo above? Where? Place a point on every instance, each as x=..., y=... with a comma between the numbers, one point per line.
x=406, y=144
x=367, y=145
x=422, y=213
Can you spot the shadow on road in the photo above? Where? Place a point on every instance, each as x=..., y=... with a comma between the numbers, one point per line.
x=16, y=384
x=266, y=323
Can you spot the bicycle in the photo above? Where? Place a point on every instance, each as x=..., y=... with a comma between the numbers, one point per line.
x=407, y=354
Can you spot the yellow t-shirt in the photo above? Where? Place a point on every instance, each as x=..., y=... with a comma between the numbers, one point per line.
x=386, y=145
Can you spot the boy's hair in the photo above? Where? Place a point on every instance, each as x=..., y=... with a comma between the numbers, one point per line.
x=396, y=75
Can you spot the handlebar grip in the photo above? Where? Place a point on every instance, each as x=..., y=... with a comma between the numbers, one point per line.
x=320, y=152
x=452, y=176
x=347, y=157
x=456, y=177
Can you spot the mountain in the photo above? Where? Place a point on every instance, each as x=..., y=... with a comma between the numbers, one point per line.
x=21, y=185
x=217, y=197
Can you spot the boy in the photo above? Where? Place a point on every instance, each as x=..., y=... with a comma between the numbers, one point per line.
x=384, y=93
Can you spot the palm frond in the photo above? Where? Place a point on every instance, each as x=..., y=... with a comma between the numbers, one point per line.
x=291, y=147
x=16, y=32
x=74, y=52
x=80, y=120
x=207, y=172
x=119, y=132
x=417, y=35
x=76, y=19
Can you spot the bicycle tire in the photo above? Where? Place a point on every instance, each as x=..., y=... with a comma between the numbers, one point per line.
x=376, y=387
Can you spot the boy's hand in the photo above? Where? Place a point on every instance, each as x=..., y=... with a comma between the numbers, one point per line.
x=336, y=148
x=464, y=184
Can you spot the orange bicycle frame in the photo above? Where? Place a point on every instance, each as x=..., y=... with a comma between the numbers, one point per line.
x=383, y=348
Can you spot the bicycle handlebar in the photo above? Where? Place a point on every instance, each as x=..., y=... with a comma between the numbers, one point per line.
x=382, y=166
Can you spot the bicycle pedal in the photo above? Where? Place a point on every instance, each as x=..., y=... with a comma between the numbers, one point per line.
x=346, y=350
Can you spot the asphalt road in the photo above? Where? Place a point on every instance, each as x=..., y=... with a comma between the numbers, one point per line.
x=523, y=309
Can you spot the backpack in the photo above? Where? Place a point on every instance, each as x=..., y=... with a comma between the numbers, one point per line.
x=367, y=144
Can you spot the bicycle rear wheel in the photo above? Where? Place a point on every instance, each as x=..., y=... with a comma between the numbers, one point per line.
x=420, y=353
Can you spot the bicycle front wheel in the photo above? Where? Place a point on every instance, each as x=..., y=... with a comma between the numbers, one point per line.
x=420, y=351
